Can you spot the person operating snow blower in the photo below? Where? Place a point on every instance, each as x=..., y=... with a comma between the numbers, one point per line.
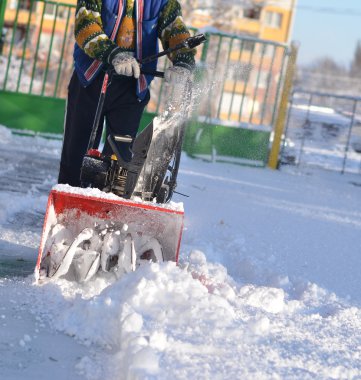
x=118, y=34
x=86, y=232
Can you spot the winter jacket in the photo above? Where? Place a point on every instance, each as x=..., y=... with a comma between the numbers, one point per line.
x=97, y=24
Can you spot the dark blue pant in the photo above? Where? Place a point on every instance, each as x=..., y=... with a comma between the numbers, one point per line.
x=122, y=113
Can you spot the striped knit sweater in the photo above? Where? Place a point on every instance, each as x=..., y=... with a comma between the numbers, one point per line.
x=91, y=38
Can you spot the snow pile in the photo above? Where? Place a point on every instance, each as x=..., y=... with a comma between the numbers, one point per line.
x=319, y=114
x=5, y=134
x=165, y=322
x=140, y=318
x=24, y=141
x=17, y=203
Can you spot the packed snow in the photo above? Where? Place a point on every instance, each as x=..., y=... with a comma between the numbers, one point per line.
x=267, y=286
x=88, y=192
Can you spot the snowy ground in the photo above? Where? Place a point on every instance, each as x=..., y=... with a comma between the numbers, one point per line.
x=267, y=288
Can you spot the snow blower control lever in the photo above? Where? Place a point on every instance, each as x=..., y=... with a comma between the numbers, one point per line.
x=189, y=43
x=117, y=174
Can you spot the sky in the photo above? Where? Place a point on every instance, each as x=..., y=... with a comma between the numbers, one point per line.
x=327, y=28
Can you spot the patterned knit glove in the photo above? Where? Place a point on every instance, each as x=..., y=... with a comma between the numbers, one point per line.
x=125, y=64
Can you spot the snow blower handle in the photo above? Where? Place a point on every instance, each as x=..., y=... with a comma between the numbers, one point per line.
x=158, y=74
x=106, y=81
x=188, y=43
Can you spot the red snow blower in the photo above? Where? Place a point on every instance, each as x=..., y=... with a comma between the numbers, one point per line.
x=120, y=217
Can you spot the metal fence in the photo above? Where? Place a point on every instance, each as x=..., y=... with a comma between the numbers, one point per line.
x=239, y=81
x=37, y=49
x=323, y=130
x=239, y=77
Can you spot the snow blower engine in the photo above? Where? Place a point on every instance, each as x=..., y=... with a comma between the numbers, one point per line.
x=114, y=174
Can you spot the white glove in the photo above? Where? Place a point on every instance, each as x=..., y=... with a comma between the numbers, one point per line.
x=177, y=75
x=126, y=64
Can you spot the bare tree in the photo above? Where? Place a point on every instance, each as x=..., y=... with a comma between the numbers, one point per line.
x=355, y=69
x=327, y=75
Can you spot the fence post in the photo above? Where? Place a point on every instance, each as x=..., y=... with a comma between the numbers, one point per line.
x=282, y=110
x=205, y=48
x=2, y=16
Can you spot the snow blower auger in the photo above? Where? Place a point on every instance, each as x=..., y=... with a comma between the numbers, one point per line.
x=119, y=218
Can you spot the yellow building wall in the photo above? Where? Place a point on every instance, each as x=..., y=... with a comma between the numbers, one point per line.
x=253, y=27
x=247, y=26
x=277, y=34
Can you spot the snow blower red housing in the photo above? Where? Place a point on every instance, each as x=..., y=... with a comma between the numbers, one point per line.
x=77, y=209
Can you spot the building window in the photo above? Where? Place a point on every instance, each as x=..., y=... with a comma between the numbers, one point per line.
x=23, y=4
x=260, y=79
x=239, y=72
x=56, y=11
x=12, y=4
x=249, y=45
x=269, y=50
x=252, y=13
x=50, y=10
x=237, y=105
x=274, y=19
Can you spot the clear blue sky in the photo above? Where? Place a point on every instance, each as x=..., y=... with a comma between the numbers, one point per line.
x=327, y=28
